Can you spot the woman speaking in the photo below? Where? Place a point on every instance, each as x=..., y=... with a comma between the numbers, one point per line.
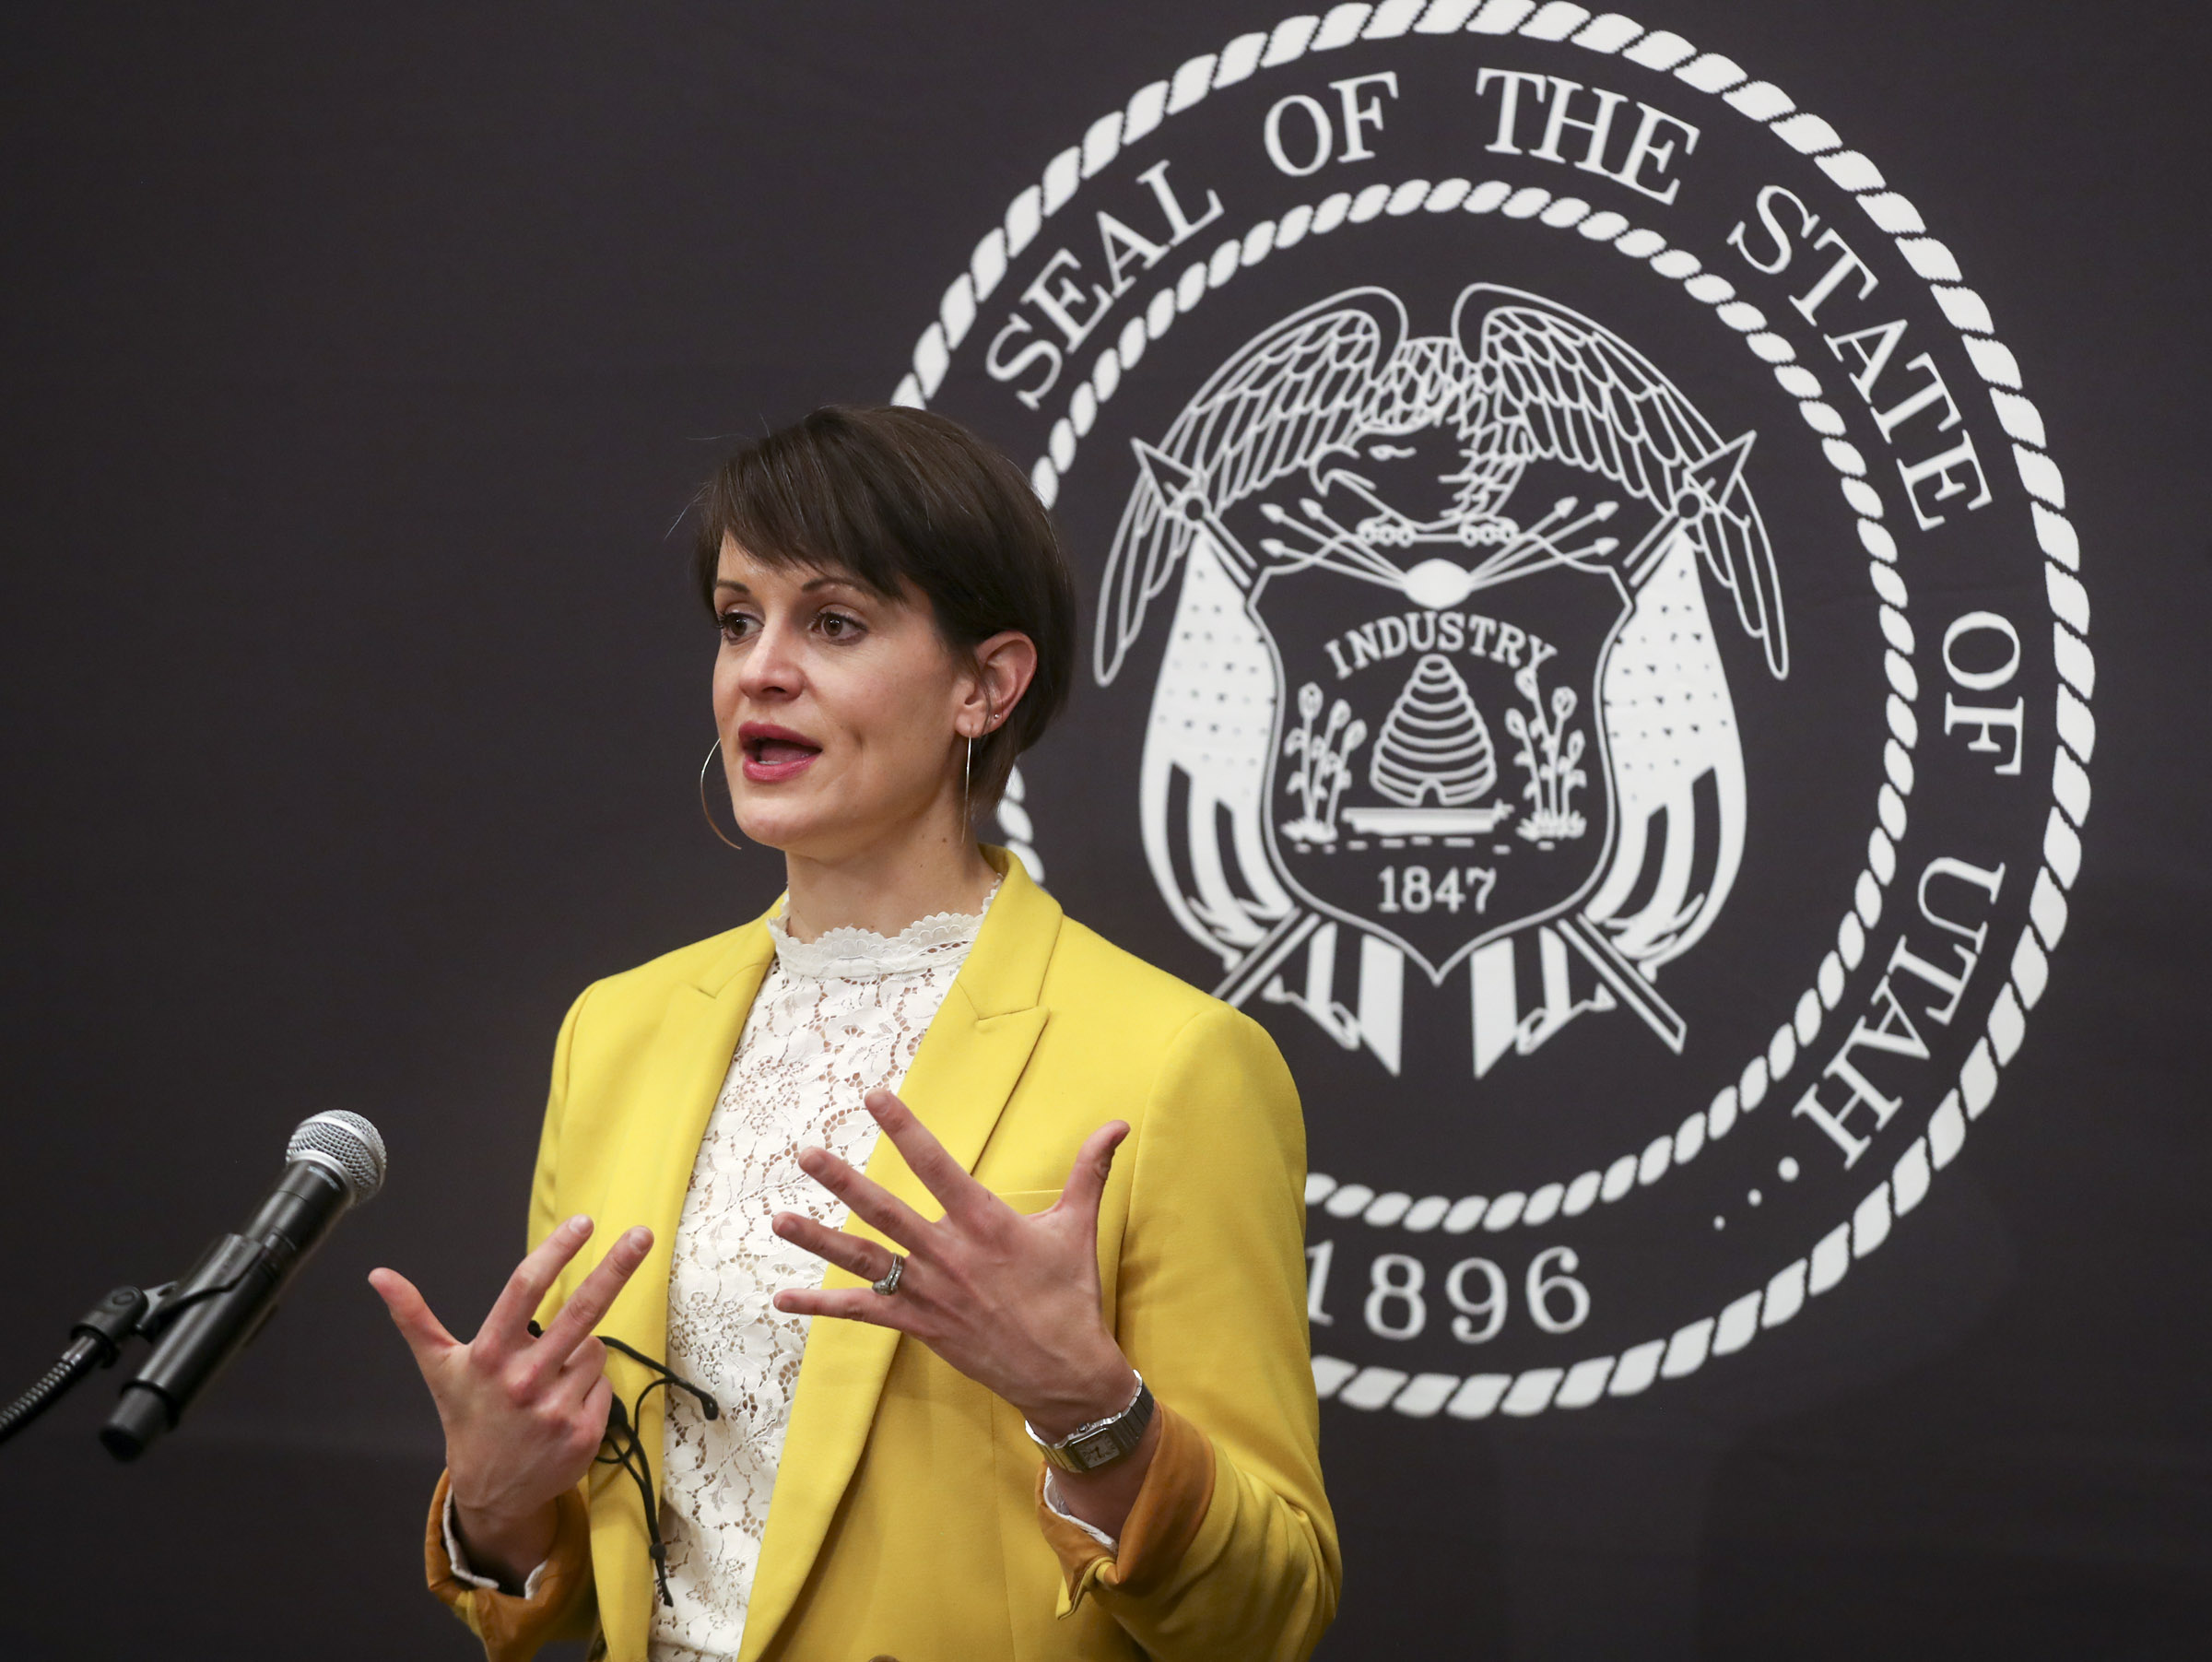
x=968, y=1308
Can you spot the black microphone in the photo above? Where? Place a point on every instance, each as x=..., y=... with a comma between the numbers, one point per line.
x=336, y=1161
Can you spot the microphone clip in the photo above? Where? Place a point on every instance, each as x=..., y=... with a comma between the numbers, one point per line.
x=95, y=1341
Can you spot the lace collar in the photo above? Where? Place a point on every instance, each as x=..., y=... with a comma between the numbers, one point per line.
x=864, y=955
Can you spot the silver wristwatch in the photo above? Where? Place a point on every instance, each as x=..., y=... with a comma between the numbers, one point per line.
x=1102, y=1441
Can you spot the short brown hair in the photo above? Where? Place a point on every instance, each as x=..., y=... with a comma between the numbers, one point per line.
x=904, y=501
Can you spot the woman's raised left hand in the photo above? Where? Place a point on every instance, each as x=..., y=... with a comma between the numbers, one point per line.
x=1010, y=1300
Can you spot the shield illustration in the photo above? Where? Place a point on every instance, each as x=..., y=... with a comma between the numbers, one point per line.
x=1441, y=665
x=1440, y=779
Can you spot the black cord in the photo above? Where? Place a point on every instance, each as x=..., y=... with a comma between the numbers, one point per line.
x=628, y=1452
x=708, y=1408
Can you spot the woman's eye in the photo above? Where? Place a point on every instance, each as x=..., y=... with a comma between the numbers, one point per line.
x=836, y=626
x=736, y=625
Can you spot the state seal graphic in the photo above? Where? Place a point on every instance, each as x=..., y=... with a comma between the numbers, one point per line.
x=1586, y=646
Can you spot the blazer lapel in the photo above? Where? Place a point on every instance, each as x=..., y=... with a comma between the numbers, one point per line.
x=963, y=1074
x=689, y=1060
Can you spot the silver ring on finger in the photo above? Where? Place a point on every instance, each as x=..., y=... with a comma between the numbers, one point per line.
x=890, y=1283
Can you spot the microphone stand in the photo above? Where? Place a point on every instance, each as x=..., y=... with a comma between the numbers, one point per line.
x=95, y=1342
x=149, y=1404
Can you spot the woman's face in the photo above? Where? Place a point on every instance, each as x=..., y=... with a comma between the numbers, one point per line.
x=841, y=713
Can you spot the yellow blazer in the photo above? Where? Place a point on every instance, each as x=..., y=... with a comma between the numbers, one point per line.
x=906, y=1520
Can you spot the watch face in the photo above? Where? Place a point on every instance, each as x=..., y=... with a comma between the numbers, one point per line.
x=1095, y=1450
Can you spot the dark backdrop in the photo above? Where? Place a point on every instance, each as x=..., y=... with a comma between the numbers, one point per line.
x=357, y=362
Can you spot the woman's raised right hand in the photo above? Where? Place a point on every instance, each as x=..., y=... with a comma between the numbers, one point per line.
x=524, y=1417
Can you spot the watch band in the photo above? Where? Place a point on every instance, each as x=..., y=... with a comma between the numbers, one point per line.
x=1102, y=1441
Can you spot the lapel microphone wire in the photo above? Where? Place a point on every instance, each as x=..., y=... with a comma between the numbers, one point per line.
x=622, y=1447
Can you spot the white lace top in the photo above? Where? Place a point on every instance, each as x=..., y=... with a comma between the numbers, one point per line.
x=835, y=1018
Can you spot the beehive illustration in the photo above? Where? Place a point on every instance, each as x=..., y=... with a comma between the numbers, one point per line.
x=1434, y=741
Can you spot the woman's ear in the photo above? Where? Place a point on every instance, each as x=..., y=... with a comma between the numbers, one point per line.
x=1005, y=665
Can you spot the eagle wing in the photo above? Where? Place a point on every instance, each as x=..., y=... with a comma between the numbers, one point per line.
x=1292, y=394
x=1551, y=384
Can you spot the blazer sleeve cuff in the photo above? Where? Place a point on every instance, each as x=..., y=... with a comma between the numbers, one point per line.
x=465, y=1573
x=512, y=1626
x=1170, y=1505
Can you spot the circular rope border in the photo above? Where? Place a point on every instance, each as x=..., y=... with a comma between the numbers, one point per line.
x=1662, y=52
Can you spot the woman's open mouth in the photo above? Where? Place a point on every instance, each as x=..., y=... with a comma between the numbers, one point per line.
x=774, y=753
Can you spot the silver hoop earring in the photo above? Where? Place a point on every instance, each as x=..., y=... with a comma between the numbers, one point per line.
x=703, y=793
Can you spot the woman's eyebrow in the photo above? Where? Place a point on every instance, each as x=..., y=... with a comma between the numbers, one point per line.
x=827, y=580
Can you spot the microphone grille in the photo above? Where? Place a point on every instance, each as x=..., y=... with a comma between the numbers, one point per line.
x=345, y=1143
